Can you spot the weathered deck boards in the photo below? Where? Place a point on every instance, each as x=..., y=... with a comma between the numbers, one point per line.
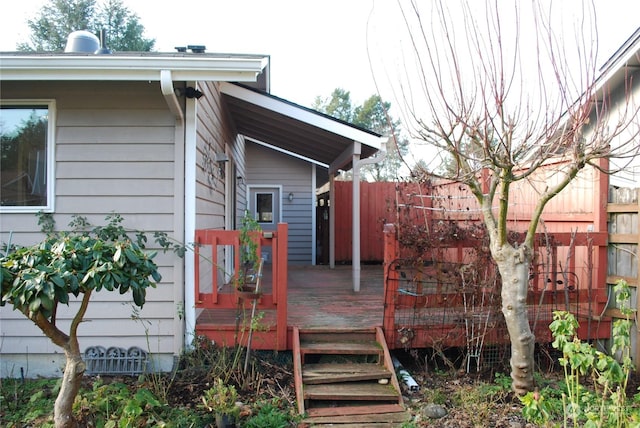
x=322, y=297
x=376, y=419
x=329, y=373
x=350, y=391
x=321, y=412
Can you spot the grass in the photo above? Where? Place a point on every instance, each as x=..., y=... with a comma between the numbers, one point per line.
x=27, y=401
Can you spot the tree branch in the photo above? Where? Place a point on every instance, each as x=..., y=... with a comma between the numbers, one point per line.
x=77, y=319
x=56, y=335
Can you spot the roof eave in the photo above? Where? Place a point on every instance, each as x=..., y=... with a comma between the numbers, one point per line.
x=613, y=72
x=133, y=68
x=312, y=118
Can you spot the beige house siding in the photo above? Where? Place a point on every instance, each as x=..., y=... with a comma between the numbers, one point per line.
x=212, y=135
x=238, y=155
x=269, y=167
x=114, y=153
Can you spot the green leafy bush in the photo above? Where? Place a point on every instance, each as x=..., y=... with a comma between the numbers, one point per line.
x=270, y=415
x=605, y=402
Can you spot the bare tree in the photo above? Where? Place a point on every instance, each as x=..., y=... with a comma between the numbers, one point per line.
x=500, y=109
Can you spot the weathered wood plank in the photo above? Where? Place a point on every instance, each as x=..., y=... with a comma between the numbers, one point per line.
x=319, y=412
x=624, y=240
x=351, y=391
x=334, y=348
x=375, y=418
x=357, y=425
x=622, y=208
x=343, y=372
x=297, y=370
x=329, y=368
x=631, y=281
x=344, y=334
x=371, y=416
x=368, y=418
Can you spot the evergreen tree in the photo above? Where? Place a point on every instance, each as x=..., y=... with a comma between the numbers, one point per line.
x=372, y=115
x=59, y=18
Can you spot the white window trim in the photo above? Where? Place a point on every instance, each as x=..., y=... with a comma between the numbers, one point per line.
x=51, y=144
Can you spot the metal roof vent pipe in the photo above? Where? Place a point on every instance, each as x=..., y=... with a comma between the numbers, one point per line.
x=82, y=42
x=104, y=50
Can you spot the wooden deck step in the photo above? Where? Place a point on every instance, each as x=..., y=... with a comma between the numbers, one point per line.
x=386, y=415
x=389, y=419
x=343, y=372
x=343, y=342
x=339, y=348
x=355, y=410
x=346, y=378
x=351, y=391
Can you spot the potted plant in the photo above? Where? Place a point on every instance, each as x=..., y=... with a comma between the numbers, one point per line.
x=250, y=262
x=221, y=399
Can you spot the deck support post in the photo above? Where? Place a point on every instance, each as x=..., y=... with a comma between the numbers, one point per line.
x=357, y=164
x=332, y=221
x=355, y=227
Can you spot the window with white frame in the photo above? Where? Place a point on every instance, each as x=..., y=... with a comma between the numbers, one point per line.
x=26, y=155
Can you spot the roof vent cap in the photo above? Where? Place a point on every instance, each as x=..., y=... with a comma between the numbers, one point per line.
x=197, y=48
x=82, y=42
x=104, y=50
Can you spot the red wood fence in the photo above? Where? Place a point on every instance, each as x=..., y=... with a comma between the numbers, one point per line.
x=580, y=207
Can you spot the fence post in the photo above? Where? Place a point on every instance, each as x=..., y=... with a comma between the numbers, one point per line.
x=281, y=284
x=390, y=283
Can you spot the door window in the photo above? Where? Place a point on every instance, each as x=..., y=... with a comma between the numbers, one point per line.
x=264, y=208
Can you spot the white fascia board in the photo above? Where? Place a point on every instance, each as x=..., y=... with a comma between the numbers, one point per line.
x=136, y=68
x=616, y=70
x=607, y=81
x=629, y=49
x=303, y=115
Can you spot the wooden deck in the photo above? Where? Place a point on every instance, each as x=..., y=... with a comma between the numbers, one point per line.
x=318, y=297
x=324, y=297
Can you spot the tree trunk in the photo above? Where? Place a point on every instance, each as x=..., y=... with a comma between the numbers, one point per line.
x=71, y=380
x=513, y=264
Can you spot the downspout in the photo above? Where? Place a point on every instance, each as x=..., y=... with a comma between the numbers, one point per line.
x=355, y=221
x=169, y=93
x=181, y=266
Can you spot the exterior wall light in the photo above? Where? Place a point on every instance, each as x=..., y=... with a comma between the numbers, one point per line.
x=290, y=196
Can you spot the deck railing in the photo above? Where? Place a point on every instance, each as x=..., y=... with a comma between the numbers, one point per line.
x=216, y=281
x=447, y=299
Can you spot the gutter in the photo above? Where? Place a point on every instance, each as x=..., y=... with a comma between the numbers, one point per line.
x=118, y=67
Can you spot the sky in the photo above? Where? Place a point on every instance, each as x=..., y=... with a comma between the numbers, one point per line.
x=314, y=46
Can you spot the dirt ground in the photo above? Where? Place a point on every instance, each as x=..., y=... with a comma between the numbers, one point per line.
x=463, y=395
x=442, y=385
